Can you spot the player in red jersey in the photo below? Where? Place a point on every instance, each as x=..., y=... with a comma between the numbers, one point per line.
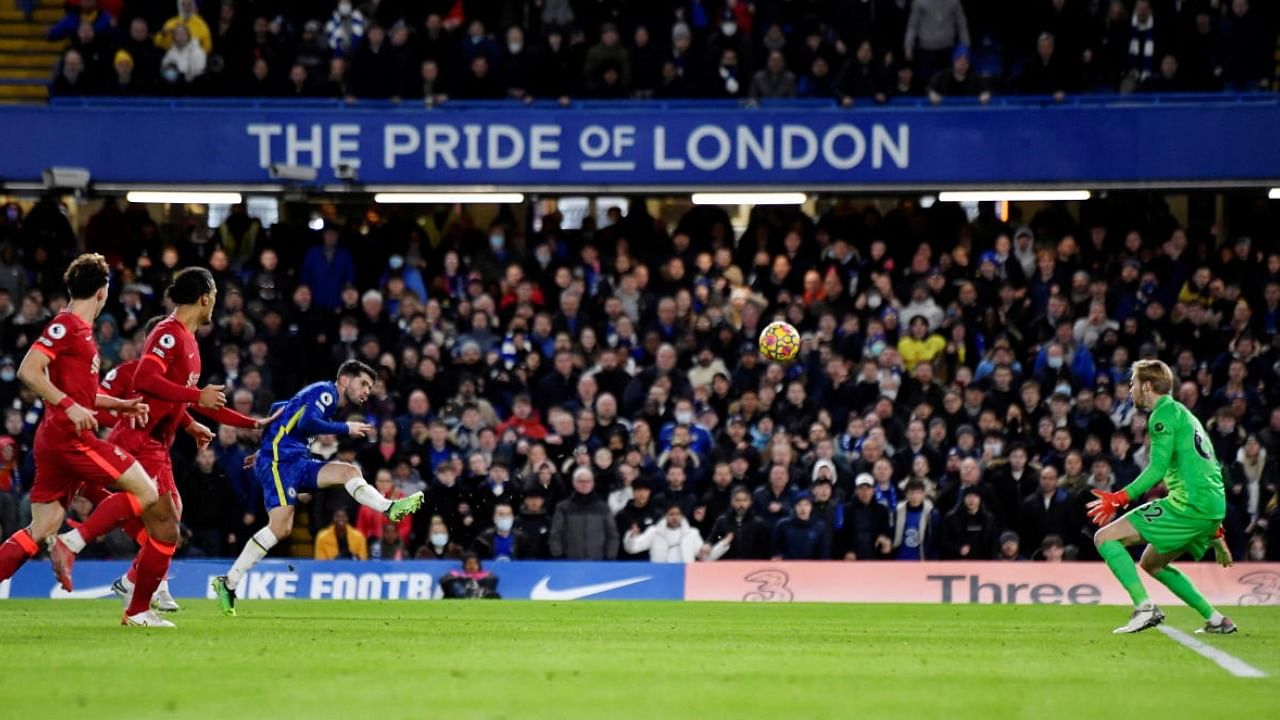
x=62, y=369
x=165, y=376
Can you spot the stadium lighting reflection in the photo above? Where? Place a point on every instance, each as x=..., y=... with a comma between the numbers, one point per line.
x=184, y=198
x=728, y=198
x=1013, y=195
x=448, y=198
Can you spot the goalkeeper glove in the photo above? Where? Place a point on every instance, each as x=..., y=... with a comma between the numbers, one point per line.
x=1103, y=510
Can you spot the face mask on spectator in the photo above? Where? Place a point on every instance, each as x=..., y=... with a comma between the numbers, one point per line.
x=1055, y=362
x=684, y=417
x=1064, y=389
x=515, y=48
x=348, y=336
x=439, y=539
x=170, y=74
x=728, y=29
x=344, y=8
x=496, y=241
x=504, y=524
x=7, y=375
x=543, y=256
x=995, y=448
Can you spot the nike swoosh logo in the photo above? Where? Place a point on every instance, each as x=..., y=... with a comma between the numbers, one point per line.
x=93, y=593
x=541, y=591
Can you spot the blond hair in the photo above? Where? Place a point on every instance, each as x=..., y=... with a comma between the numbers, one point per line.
x=1155, y=372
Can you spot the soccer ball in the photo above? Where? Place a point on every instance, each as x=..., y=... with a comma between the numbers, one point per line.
x=780, y=341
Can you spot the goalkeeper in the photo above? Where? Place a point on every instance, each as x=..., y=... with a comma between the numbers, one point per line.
x=1188, y=520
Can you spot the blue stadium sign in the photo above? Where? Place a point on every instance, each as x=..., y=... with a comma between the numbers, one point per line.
x=648, y=146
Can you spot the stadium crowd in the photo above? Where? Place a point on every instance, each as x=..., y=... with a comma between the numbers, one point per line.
x=851, y=51
x=598, y=393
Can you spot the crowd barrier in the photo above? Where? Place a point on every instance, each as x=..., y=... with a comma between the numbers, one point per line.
x=987, y=583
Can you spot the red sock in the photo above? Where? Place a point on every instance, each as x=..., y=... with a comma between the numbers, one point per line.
x=132, y=575
x=110, y=514
x=15, y=551
x=153, y=564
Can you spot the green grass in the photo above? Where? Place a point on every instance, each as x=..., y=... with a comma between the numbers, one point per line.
x=296, y=660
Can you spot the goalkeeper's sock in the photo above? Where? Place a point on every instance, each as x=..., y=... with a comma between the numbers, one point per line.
x=1181, y=585
x=367, y=495
x=254, y=550
x=1125, y=570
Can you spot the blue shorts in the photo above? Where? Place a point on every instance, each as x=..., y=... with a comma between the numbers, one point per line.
x=281, y=482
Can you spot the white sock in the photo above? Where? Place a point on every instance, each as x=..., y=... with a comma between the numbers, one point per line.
x=254, y=550
x=73, y=540
x=163, y=587
x=367, y=495
x=1216, y=618
x=126, y=583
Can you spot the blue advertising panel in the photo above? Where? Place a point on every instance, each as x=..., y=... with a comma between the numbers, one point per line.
x=649, y=146
x=348, y=580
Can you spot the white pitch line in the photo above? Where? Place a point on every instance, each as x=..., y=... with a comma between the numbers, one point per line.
x=1226, y=661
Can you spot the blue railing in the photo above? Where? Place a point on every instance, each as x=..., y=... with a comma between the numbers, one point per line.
x=998, y=101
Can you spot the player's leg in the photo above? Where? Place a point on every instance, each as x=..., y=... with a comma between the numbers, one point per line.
x=279, y=526
x=348, y=476
x=1113, y=542
x=1160, y=566
x=105, y=464
x=46, y=518
x=153, y=561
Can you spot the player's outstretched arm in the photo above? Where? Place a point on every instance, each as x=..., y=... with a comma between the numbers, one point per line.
x=34, y=373
x=227, y=416
x=1160, y=430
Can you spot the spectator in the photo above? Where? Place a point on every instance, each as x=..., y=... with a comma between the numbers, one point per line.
x=184, y=55
x=344, y=29
x=958, y=81
x=340, y=541
x=934, y=30
x=919, y=345
x=208, y=506
x=389, y=546
x=534, y=522
x=1246, y=49
x=638, y=512
x=583, y=528
x=1048, y=511
x=915, y=525
x=326, y=269
x=1049, y=73
x=738, y=534
x=607, y=55
x=187, y=17
x=1009, y=546
x=71, y=79
x=725, y=80
x=87, y=12
x=867, y=527
x=969, y=531
x=375, y=67
x=860, y=78
x=775, y=80
x=800, y=536
x=1168, y=80
x=1144, y=40
x=671, y=541
x=503, y=541
x=439, y=545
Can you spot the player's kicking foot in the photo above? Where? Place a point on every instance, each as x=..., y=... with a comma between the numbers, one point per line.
x=1226, y=627
x=147, y=618
x=163, y=600
x=404, y=506
x=1145, y=616
x=226, y=596
x=63, y=560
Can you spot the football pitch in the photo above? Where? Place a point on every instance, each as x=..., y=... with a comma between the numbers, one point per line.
x=500, y=659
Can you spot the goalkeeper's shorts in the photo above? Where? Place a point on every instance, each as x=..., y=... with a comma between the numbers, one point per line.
x=1170, y=530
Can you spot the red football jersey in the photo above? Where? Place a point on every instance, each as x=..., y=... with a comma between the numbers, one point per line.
x=118, y=382
x=73, y=369
x=174, y=349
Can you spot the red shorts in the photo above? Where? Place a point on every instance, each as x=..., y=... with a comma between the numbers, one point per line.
x=155, y=459
x=63, y=465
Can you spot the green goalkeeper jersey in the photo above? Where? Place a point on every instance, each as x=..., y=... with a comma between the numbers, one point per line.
x=1182, y=456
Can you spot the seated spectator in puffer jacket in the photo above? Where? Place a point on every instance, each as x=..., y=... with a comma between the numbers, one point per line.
x=340, y=541
x=671, y=541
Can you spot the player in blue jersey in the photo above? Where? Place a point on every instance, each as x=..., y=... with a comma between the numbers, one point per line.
x=284, y=466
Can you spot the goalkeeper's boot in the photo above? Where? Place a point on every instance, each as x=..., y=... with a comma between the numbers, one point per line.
x=226, y=596
x=146, y=618
x=1225, y=627
x=163, y=600
x=1145, y=616
x=404, y=506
